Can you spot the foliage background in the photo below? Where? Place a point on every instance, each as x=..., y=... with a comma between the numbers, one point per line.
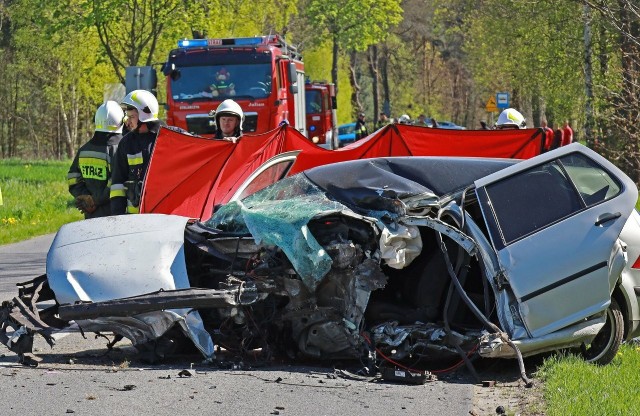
x=559, y=60
x=35, y=198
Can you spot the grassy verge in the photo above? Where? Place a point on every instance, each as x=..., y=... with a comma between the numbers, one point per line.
x=36, y=200
x=573, y=387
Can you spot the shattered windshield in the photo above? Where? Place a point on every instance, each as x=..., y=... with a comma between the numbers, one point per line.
x=278, y=215
x=291, y=197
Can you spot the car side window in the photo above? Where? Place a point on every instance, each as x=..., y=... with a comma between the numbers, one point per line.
x=531, y=200
x=593, y=182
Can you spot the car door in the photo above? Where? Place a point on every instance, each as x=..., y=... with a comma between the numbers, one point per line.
x=554, y=221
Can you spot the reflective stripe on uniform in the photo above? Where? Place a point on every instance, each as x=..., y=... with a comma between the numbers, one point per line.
x=93, y=154
x=73, y=178
x=118, y=190
x=135, y=159
x=132, y=210
x=106, y=127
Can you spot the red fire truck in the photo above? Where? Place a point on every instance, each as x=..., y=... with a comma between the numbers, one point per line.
x=264, y=74
x=320, y=98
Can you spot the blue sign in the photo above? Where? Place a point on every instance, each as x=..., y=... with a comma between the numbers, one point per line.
x=502, y=100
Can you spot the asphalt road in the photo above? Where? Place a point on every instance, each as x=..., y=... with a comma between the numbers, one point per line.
x=22, y=261
x=81, y=376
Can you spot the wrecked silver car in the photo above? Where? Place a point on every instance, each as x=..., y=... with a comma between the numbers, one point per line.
x=403, y=259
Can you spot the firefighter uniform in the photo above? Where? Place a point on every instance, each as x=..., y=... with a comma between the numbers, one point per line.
x=129, y=167
x=361, y=127
x=90, y=172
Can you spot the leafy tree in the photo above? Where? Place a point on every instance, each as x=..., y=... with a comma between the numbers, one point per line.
x=58, y=89
x=351, y=25
x=617, y=43
x=130, y=31
x=434, y=35
x=532, y=50
x=318, y=68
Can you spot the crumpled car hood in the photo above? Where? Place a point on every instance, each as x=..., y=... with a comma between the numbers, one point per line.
x=119, y=257
x=95, y=260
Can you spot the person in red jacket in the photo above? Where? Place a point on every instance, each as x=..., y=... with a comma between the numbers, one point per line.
x=548, y=135
x=558, y=137
x=567, y=134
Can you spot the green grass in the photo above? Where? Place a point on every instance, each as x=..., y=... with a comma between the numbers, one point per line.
x=36, y=199
x=574, y=387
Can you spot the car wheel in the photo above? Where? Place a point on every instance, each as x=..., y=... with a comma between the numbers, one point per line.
x=605, y=345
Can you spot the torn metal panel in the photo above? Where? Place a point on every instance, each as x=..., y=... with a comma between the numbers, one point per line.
x=18, y=324
x=245, y=294
x=139, y=329
x=148, y=327
x=468, y=244
x=193, y=327
x=112, y=257
x=493, y=346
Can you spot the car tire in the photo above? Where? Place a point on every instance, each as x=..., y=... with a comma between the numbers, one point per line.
x=606, y=344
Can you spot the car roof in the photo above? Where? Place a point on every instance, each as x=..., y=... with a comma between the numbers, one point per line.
x=354, y=180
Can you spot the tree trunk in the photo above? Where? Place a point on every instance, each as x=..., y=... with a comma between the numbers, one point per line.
x=373, y=71
x=334, y=63
x=355, y=87
x=65, y=120
x=588, y=76
x=13, y=126
x=75, y=119
x=386, y=106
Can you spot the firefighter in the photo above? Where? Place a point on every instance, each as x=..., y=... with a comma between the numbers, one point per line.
x=131, y=161
x=361, y=127
x=510, y=119
x=89, y=176
x=383, y=120
x=229, y=119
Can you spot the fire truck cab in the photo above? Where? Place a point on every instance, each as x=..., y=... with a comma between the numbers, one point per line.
x=264, y=75
x=321, y=105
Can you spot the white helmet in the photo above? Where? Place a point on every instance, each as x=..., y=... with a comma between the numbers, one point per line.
x=145, y=102
x=404, y=119
x=510, y=119
x=109, y=117
x=229, y=107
